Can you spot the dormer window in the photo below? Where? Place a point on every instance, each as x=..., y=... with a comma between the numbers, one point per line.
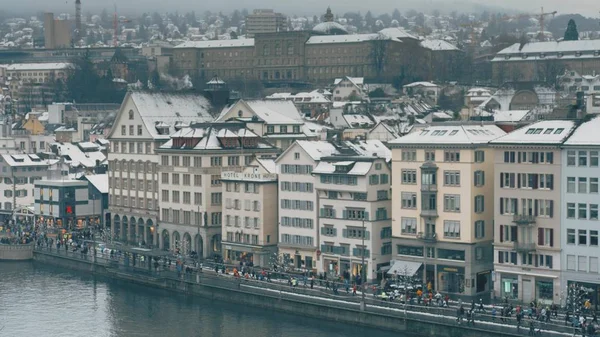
x=577, y=53
x=542, y=55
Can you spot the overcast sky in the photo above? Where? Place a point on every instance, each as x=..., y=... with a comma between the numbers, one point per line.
x=305, y=7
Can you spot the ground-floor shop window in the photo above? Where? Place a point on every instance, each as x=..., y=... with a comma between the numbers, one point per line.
x=544, y=290
x=509, y=287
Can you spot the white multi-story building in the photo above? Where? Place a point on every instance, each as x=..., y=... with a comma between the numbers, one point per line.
x=190, y=186
x=250, y=217
x=354, y=202
x=298, y=238
x=18, y=173
x=527, y=217
x=143, y=123
x=579, y=234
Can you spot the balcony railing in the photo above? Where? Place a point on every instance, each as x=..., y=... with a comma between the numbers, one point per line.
x=523, y=219
x=427, y=236
x=524, y=247
x=429, y=213
x=428, y=188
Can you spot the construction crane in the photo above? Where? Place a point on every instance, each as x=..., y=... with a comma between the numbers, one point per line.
x=116, y=22
x=542, y=16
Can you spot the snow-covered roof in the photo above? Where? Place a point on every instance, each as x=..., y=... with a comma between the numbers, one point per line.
x=512, y=116
x=421, y=84
x=301, y=97
x=354, y=120
x=358, y=168
x=74, y=156
x=329, y=27
x=100, y=182
x=166, y=109
x=217, y=43
x=552, y=47
x=267, y=164
x=210, y=137
x=36, y=66
x=544, y=132
x=586, y=134
x=317, y=148
x=371, y=148
x=358, y=81
x=270, y=111
x=476, y=92
x=438, y=45
x=25, y=160
x=451, y=134
x=351, y=38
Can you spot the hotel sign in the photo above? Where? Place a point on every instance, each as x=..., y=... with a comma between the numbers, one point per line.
x=248, y=176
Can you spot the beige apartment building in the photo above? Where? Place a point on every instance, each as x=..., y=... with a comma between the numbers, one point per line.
x=265, y=21
x=250, y=217
x=190, y=187
x=527, y=215
x=143, y=124
x=442, y=219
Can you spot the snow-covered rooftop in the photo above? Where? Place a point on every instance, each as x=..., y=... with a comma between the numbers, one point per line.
x=511, y=116
x=169, y=108
x=354, y=120
x=100, y=182
x=210, y=137
x=451, y=134
x=438, y=45
x=358, y=168
x=25, y=160
x=74, y=156
x=270, y=111
x=351, y=38
x=217, y=43
x=552, y=46
x=421, y=84
x=586, y=134
x=317, y=148
x=358, y=81
x=36, y=66
x=544, y=132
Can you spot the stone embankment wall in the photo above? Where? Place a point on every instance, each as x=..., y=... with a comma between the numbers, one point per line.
x=16, y=252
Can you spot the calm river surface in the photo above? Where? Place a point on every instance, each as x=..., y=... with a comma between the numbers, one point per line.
x=38, y=301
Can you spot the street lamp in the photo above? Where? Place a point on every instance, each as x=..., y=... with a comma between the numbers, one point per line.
x=362, y=268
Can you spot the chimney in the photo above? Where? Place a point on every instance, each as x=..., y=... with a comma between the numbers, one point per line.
x=77, y=21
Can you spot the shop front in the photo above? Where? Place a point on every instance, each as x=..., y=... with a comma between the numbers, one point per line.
x=544, y=290
x=248, y=255
x=509, y=286
x=579, y=292
x=451, y=279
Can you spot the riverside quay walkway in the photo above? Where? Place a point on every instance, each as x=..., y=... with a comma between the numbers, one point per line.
x=158, y=269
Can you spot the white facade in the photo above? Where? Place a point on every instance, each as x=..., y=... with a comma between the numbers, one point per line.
x=579, y=209
x=347, y=88
x=354, y=216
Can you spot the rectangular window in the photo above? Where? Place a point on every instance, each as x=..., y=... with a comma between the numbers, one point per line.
x=175, y=160
x=215, y=198
x=479, y=156
x=186, y=161
x=451, y=156
x=233, y=160
x=409, y=200
x=593, y=158
x=593, y=211
x=582, y=185
x=451, y=178
x=197, y=161
x=571, y=158
x=571, y=185
x=451, y=229
x=479, y=178
x=479, y=229
x=594, y=238
x=374, y=179
x=409, y=225
x=509, y=156
x=571, y=236
x=451, y=203
x=186, y=180
x=571, y=210
x=197, y=180
x=384, y=178
x=165, y=178
x=382, y=195
x=215, y=180
x=164, y=160
x=582, y=211
x=165, y=195
x=582, y=158
x=197, y=198
x=175, y=179
x=409, y=176
x=593, y=185
x=429, y=155
x=186, y=198
x=409, y=155
x=479, y=204
x=216, y=161
x=175, y=196
x=507, y=180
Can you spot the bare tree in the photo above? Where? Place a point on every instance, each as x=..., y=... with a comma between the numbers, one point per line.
x=378, y=53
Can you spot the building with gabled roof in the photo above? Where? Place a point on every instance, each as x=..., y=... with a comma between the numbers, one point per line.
x=278, y=122
x=189, y=180
x=143, y=123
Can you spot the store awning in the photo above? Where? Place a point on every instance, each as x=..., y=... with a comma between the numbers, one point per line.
x=404, y=268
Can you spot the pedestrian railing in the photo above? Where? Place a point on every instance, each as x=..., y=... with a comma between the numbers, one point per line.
x=434, y=312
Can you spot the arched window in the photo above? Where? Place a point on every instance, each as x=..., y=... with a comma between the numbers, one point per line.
x=130, y=114
x=290, y=48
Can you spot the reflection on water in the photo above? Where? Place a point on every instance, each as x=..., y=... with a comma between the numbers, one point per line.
x=44, y=301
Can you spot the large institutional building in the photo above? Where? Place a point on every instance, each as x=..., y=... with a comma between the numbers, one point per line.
x=317, y=56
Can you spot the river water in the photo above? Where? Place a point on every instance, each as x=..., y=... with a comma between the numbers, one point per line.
x=40, y=301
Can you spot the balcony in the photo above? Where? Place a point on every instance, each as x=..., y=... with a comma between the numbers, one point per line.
x=427, y=237
x=429, y=213
x=429, y=188
x=523, y=219
x=524, y=247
